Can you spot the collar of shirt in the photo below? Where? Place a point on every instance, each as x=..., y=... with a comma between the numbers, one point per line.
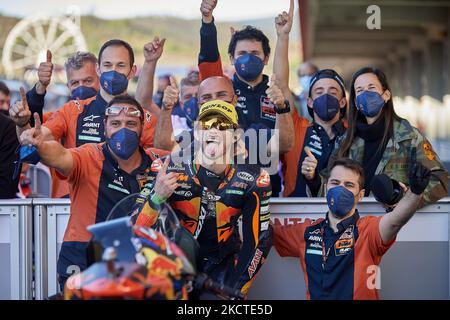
x=337, y=128
x=260, y=87
x=145, y=163
x=341, y=226
x=99, y=102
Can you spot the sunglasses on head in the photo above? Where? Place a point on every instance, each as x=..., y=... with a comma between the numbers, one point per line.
x=128, y=110
x=219, y=123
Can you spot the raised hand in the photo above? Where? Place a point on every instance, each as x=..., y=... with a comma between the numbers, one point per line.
x=275, y=94
x=20, y=112
x=207, y=8
x=33, y=136
x=283, y=22
x=171, y=95
x=45, y=74
x=309, y=165
x=419, y=175
x=166, y=183
x=153, y=50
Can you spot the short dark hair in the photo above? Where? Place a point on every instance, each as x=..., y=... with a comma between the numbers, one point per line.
x=120, y=43
x=126, y=99
x=77, y=60
x=350, y=164
x=4, y=88
x=249, y=33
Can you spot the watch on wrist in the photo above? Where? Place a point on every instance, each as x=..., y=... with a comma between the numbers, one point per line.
x=286, y=109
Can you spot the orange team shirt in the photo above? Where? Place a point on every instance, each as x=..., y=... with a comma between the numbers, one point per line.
x=290, y=159
x=360, y=243
x=81, y=121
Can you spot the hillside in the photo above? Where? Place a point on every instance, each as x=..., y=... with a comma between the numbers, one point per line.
x=182, y=36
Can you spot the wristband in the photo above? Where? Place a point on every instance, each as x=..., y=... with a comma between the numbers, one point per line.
x=156, y=198
x=286, y=109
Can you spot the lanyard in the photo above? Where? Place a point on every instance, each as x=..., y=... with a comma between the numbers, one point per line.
x=324, y=254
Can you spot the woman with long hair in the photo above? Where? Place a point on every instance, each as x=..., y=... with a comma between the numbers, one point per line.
x=382, y=141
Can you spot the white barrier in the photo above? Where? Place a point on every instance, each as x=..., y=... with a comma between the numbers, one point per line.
x=51, y=218
x=16, y=249
x=417, y=267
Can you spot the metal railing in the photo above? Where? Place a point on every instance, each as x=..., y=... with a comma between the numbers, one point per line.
x=422, y=248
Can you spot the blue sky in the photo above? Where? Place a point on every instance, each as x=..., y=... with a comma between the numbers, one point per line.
x=226, y=10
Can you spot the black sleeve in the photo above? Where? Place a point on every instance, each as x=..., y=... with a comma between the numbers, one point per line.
x=256, y=234
x=314, y=184
x=8, y=155
x=36, y=104
x=209, y=50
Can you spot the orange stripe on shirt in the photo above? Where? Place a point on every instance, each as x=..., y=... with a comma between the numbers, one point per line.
x=256, y=221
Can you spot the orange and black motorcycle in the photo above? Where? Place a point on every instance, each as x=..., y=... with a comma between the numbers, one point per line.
x=133, y=262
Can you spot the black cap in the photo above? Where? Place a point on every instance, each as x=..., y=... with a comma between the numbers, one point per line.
x=326, y=74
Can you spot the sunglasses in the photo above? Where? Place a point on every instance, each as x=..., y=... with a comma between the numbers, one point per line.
x=217, y=123
x=129, y=111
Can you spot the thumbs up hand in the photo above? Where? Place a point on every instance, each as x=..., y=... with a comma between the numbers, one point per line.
x=45, y=74
x=309, y=165
x=275, y=94
x=171, y=94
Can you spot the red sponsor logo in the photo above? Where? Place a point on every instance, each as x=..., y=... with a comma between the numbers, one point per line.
x=255, y=262
x=156, y=165
x=263, y=180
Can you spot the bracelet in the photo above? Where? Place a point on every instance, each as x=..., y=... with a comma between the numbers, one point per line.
x=156, y=198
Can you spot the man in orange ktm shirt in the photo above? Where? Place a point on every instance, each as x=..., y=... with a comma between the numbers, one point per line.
x=337, y=252
x=81, y=121
x=99, y=175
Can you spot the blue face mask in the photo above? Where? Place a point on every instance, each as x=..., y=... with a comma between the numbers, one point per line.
x=326, y=106
x=304, y=82
x=248, y=66
x=83, y=93
x=123, y=143
x=191, y=109
x=113, y=82
x=340, y=201
x=369, y=103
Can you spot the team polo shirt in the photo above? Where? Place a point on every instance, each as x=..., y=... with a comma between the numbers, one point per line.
x=97, y=183
x=81, y=121
x=350, y=255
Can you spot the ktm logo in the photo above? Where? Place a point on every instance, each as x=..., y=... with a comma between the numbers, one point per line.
x=183, y=178
x=344, y=243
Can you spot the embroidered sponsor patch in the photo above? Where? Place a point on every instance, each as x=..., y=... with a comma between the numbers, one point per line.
x=117, y=188
x=238, y=192
x=428, y=150
x=267, y=109
x=255, y=262
x=245, y=176
x=156, y=165
x=263, y=180
x=312, y=251
x=88, y=138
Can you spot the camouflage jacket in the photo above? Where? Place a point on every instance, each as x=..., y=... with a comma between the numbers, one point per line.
x=395, y=160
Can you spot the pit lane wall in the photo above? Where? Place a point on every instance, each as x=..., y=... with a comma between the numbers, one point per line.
x=416, y=267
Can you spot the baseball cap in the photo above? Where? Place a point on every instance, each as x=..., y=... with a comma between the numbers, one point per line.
x=327, y=74
x=219, y=107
